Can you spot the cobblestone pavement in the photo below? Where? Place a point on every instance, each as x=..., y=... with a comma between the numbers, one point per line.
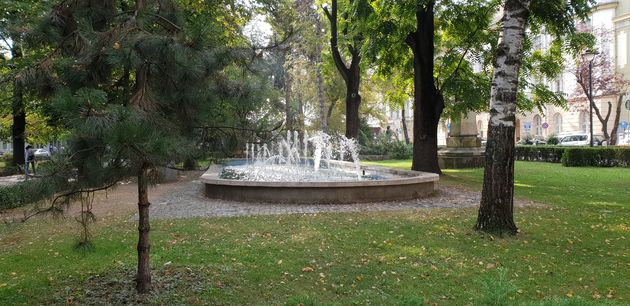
x=10, y=180
x=189, y=201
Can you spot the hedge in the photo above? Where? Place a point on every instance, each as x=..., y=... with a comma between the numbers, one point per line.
x=576, y=156
x=550, y=154
x=24, y=193
x=13, y=196
x=596, y=157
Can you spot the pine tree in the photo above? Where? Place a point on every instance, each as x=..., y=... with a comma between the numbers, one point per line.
x=134, y=83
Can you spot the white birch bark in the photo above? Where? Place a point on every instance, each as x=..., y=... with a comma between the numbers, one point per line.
x=507, y=63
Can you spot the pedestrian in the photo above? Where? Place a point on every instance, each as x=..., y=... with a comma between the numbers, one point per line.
x=389, y=132
x=30, y=159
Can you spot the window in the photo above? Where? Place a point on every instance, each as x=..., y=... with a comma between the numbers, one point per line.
x=537, y=125
x=584, y=122
x=557, y=122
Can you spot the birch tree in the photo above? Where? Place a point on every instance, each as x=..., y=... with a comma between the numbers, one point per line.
x=497, y=199
x=496, y=210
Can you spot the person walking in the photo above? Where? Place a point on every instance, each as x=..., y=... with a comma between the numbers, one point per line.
x=30, y=159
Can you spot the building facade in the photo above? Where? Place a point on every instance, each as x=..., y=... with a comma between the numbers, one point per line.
x=611, y=15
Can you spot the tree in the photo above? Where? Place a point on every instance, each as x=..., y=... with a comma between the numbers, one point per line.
x=350, y=74
x=133, y=87
x=495, y=212
x=497, y=198
x=439, y=52
x=605, y=82
x=17, y=18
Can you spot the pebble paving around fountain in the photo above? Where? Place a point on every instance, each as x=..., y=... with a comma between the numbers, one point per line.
x=189, y=202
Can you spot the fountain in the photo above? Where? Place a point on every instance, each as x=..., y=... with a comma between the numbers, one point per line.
x=318, y=169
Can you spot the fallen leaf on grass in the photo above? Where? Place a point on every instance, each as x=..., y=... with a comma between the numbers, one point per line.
x=307, y=269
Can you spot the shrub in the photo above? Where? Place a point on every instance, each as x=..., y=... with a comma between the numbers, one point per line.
x=576, y=156
x=384, y=145
x=24, y=193
x=7, y=157
x=587, y=156
x=550, y=154
x=553, y=140
x=401, y=150
x=12, y=196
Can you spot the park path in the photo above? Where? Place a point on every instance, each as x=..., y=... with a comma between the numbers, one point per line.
x=185, y=199
x=189, y=201
x=11, y=180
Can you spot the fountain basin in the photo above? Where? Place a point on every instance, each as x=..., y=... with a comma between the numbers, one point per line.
x=399, y=185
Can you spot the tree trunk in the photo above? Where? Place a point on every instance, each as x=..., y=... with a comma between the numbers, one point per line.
x=603, y=120
x=613, y=133
x=428, y=101
x=353, y=102
x=19, y=114
x=143, y=277
x=331, y=108
x=496, y=211
x=19, y=124
x=287, y=101
x=351, y=75
x=190, y=164
x=403, y=121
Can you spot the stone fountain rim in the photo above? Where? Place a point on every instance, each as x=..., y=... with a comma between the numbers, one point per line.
x=211, y=176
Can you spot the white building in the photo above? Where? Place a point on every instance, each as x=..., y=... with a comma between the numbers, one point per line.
x=614, y=16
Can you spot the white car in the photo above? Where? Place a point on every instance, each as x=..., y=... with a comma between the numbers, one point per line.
x=42, y=154
x=582, y=139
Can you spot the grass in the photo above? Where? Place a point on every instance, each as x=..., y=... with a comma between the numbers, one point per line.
x=550, y=183
x=574, y=250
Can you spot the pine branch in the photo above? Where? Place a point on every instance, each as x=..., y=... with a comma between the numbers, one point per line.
x=172, y=24
x=53, y=208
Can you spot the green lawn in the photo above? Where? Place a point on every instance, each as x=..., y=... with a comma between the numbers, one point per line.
x=551, y=183
x=575, y=249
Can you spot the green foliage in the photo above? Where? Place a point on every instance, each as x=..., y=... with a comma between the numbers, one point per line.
x=553, y=140
x=365, y=133
x=383, y=144
x=145, y=89
x=527, y=140
x=550, y=154
x=24, y=193
x=596, y=157
x=575, y=156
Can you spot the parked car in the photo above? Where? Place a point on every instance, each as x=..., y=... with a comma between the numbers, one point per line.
x=42, y=154
x=529, y=140
x=582, y=139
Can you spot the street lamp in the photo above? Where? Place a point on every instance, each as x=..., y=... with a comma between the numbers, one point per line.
x=588, y=56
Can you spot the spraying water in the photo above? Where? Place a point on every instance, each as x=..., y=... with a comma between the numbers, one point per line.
x=293, y=160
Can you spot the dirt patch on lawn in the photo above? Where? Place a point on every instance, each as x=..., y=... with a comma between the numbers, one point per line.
x=170, y=285
x=119, y=201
